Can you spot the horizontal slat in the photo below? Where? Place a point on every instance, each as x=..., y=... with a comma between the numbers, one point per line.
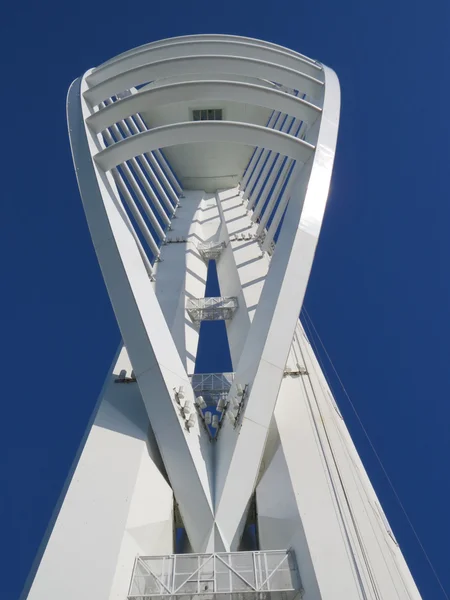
x=203, y=131
x=209, y=37
x=203, y=90
x=177, y=48
x=249, y=67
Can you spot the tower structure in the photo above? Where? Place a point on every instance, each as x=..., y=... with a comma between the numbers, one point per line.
x=196, y=485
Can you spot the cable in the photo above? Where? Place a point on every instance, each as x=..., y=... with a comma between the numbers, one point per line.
x=378, y=458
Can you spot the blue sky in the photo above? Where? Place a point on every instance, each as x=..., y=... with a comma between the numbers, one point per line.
x=379, y=294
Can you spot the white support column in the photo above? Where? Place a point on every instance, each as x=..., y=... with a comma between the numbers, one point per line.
x=139, y=170
x=181, y=274
x=168, y=171
x=253, y=161
x=272, y=177
x=136, y=214
x=285, y=170
x=274, y=123
x=137, y=190
x=151, y=348
x=272, y=156
x=152, y=165
x=279, y=212
x=143, y=201
x=266, y=349
x=118, y=502
x=347, y=520
x=242, y=268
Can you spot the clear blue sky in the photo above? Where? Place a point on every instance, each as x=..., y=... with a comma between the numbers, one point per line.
x=379, y=294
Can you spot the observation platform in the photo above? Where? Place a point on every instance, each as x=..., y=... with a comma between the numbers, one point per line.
x=211, y=250
x=261, y=575
x=211, y=309
x=213, y=387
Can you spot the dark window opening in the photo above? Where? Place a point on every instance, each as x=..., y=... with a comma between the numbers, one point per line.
x=207, y=114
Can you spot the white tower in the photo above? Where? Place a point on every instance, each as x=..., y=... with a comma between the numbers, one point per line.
x=244, y=485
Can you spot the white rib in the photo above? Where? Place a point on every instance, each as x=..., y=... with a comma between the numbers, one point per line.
x=248, y=67
x=154, y=166
x=262, y=154
x=165, y=166
x=208, y=37
x=268, y=186
x=254, y=160
x=177, y=48
x=203, y=131
x=273, y=198
x=137, y=216
x=286, y=128
x=139, y=171
x=247, y=93
x=279, y=211
x=137, y=190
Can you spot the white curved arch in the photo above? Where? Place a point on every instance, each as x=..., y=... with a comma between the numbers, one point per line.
x=241, y=49
x=268, y=339
x=203, y=131
x=249, y=67
x=213, y=37
x=212, y=90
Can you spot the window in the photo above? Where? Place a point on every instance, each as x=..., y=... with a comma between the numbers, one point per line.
x=207, y=114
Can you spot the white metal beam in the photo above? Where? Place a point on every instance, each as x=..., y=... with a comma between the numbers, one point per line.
x=177, y=48
x=210, y=37
x=154, y=165
x=156, y=361
x=266, y=349
x=145, y=166
x=249, y=67
x=203, y=131
x=277, y=170
x=255, y=163
x=138, y=169
x=235, y=91
x=253, y=196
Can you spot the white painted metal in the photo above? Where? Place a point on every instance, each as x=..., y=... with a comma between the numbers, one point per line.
x=136, y=214
x=262, y=157
x=160, y=436
x=248, y=93
x=148, y=170
x=142, y=200
x=203, y=131
x=207, y=37
x=257, y=154
x=249, y=67
x=217, y=47
x=271, y=157
x=118, y=503
x=191, y=576
x=277, y=169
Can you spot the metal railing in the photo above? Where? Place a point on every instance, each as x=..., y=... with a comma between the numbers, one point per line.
x=211, y=309
x=210, y=250
x=268, y=575
x=211, y=386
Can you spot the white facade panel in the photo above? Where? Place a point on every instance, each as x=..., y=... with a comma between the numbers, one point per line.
x=105, y=518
